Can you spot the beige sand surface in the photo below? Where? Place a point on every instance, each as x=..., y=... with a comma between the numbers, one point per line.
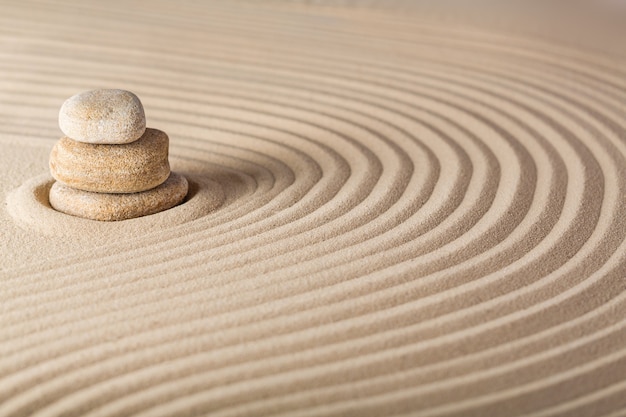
x=396, y=208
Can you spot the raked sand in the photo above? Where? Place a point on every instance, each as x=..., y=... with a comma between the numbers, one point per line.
x=395, y=208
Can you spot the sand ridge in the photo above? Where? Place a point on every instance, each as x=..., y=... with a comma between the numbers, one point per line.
x=395, y=213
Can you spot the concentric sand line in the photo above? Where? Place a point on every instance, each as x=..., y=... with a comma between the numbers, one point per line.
x=397, y=212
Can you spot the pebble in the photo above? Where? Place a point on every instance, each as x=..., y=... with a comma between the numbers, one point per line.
x=103, y=116
x=128, y=168
x=113, y=207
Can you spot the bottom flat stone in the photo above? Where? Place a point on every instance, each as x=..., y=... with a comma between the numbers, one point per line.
x=112, y=207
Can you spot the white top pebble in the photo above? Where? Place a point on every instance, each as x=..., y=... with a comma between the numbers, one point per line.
x=103, y=116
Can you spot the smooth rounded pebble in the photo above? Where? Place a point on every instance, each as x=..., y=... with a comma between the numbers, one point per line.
x=112, y=207
x=129, y=168
x=103, y=116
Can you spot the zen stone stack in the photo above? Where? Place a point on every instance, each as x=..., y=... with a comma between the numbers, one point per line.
x=110, y=166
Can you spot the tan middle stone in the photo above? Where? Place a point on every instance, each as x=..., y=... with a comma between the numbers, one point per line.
x=104, y=168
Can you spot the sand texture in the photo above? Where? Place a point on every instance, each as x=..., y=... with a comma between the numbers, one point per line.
x=395, y=208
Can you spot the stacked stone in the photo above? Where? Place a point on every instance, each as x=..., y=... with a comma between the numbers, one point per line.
x=109, y=166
